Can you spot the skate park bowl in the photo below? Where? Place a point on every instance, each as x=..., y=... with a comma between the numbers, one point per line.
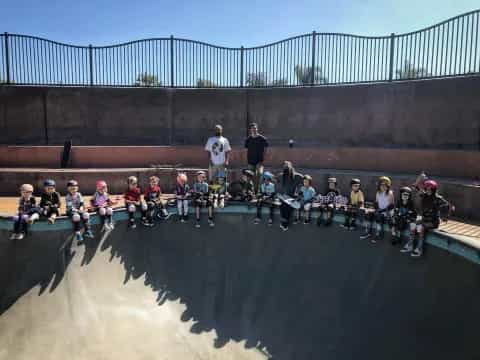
x=235, y=291
x=239, y=290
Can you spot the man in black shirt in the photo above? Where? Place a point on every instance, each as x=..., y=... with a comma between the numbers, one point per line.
x=256, y=145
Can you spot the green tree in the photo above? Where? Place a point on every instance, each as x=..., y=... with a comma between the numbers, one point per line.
x=304, y=75
x=205, y=83
x=409, y=71
x=145, y=79
x=256, y=79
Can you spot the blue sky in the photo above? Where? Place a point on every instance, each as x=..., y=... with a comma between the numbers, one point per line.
x=228, y=23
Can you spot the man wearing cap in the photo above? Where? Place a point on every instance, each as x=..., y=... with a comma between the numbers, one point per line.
x=218, y=148
x=256, y=145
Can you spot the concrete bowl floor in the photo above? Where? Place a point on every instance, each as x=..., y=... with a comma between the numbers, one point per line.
x=237, y=291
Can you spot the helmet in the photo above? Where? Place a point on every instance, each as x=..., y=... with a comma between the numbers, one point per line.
x=101, y=184
x=72, y=183
x=431, y=184
x=267, y=175
x=49, y=182
x=182, y=178
x=332, y=180
x=200, y=172
x=405, y=190
x=355, y=181
x=248, y=173
x=386, y=180
x=132, y=180
x=26, y=187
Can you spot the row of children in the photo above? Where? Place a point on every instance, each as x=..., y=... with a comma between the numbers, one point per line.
x=418, y=209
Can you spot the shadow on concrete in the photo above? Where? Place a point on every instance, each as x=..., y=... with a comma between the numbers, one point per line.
x=307, y=293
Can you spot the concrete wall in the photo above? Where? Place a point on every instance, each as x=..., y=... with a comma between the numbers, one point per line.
x=433, y=114
x=446, y=163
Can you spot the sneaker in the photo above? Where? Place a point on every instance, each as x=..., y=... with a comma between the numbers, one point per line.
x=182, y=219
x=306, y=221
x=89, y=234
x=416, y=253
x=211, y=223
x=375, y=238
x=352, y=228
x=197, y=224
x=345, y=226
x=13, y=236
x=270, y=222
x=406, y=249
x=283, y=227
x=51, y=220
x=79, y=238
x=365, y=236
x=145, y=222
x=132, y=225
x=256, y=221
x=151, y=223
x=20, y=236
x=296, y=221
x=166, y=215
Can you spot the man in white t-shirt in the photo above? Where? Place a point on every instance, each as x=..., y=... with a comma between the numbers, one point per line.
x=218, y=149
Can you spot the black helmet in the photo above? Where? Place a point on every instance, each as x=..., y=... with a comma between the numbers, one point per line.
x=72, y=183
x=405, y=189
x=248, y=172
x=49, y=182
x=355, y=181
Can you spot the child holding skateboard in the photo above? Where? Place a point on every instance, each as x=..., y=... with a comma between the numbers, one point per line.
x=76, y=211
x=50, y=201
x=266, y=196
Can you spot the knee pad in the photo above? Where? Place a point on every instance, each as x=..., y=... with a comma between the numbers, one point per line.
x=24, y=217
x=420, y=228
x=102, y=211
x=307, y=206
x=412, y=227
x=144, y=207
x=131, y=208
x=75, y=217
x=85, y=216
x=15, y=218
x=34, y=217
x=109, y=211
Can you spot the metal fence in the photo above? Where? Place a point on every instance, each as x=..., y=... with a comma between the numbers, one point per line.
x=450, y=48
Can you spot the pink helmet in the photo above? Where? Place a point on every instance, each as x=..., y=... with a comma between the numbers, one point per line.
x=101, y=184
x=430, y=184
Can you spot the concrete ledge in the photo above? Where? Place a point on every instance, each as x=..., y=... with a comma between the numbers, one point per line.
x=465, y=196
x=446, y=163
x=453, y=244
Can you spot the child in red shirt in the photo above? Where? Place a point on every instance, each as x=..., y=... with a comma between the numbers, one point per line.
x=133, y=201
x=154, y=202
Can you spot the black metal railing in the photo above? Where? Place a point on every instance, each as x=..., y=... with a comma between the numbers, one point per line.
x=450, y=48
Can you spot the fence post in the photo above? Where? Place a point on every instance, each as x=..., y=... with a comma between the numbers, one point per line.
x=90, y=56
x=312, y=75
x=392, y=44
x=241, y=66
x=171, y=62
x=7, y=59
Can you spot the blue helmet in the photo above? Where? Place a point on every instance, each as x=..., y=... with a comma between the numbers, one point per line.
x=49, y=182
x=267, y=175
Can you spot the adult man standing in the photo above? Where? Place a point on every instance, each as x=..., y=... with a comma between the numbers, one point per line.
x=256, y=145
x=218, y=148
